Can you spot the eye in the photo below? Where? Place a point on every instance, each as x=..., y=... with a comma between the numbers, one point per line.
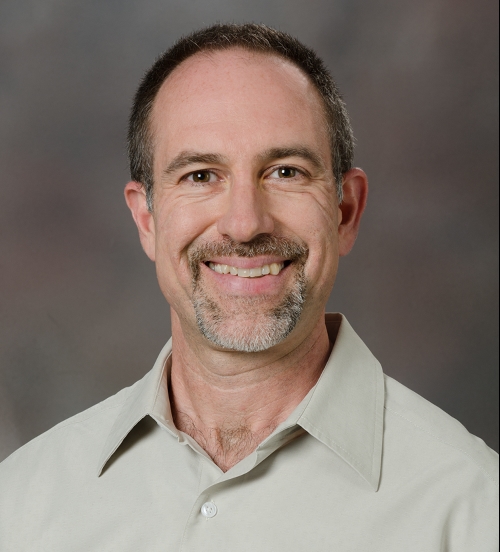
x=284, y=172
x=201, y=177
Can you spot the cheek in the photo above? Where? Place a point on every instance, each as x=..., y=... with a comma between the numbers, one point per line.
x=177, y=226
x=314, y=220
x=179, y=222
x=312, y=217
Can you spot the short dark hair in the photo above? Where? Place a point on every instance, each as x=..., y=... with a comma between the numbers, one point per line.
x=254, y=38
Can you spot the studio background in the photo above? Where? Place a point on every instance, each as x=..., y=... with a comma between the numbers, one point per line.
x=81, y=315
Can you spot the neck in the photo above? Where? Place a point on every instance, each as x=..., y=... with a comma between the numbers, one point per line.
x=230, y=402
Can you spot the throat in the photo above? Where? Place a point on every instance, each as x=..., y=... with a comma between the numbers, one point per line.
x=226, y=445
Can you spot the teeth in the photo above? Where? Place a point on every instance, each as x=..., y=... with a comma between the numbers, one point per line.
x=273, y=268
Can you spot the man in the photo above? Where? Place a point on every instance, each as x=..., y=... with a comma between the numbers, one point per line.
x=264, y=425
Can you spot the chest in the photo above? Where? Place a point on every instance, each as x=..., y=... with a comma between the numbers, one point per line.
x=299, y=498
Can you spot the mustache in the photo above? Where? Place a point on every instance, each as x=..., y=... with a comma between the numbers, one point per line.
x=265, y=244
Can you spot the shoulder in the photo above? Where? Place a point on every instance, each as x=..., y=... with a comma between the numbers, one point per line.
x=50, y=474
x=81, y=436
x=436, y=437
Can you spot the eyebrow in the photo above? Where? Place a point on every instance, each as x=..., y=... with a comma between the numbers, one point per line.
x=187, y=158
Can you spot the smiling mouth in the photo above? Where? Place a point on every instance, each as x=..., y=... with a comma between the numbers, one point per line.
x=272, y=269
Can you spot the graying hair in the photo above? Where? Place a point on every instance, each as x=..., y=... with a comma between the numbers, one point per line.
x=217, y=325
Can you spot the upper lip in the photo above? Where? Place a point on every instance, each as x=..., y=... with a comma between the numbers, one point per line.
x=247, y=262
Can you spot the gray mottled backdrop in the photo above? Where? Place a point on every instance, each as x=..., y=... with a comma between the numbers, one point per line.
x=80, y=312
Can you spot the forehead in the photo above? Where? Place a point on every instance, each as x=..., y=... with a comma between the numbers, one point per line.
x=236, y=96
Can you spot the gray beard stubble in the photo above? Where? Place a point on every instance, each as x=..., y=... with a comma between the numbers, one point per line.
x=221, y=327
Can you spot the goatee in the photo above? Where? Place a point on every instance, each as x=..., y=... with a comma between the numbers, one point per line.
x=248, y=324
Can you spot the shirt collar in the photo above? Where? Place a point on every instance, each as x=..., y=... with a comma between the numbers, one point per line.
x=148, y=396
x=344, y=410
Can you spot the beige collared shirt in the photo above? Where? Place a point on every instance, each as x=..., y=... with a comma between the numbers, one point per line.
x=361, y=465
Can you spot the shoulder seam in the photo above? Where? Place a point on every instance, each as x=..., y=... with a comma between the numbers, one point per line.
x=488, y=475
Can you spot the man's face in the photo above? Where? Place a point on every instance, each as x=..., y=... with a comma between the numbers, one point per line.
x=244, y=229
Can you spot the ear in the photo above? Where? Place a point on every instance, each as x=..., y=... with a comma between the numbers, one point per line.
x=135, y=196
x=355, y=193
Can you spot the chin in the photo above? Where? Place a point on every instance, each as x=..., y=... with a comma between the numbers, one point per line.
x=249, y=326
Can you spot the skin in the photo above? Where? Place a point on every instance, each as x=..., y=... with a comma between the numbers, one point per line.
x=239, y=106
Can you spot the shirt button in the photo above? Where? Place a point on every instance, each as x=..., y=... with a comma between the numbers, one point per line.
x=209, y=509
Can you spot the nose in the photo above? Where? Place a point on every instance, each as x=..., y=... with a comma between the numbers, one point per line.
x=246, y=215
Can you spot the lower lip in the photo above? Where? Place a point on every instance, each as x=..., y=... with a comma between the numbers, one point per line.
x=236, y=285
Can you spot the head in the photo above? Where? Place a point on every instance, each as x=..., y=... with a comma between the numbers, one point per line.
x=242, y=136
x=253, y=38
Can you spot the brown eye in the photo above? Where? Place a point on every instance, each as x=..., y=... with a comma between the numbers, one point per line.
x=287, y=172
x=201, y=177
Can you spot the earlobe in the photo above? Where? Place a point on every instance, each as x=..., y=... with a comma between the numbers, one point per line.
x=355, y=193
x=135, y=197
